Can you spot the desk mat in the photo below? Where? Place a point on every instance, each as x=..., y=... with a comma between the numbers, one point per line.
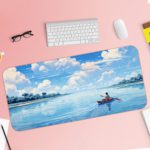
x=74, y=88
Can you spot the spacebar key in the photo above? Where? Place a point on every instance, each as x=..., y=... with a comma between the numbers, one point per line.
x=71, y=42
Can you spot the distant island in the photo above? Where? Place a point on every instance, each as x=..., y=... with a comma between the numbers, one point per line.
x=26, y=97
x=138, y=78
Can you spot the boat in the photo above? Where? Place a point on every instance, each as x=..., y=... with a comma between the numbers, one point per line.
x=104, y=101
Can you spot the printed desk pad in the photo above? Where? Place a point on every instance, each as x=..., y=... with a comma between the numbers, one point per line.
x=74, y=88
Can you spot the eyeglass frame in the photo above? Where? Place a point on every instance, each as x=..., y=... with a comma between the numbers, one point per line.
x=21, y=35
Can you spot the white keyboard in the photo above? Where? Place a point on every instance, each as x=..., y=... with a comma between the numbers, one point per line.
x=72, y=32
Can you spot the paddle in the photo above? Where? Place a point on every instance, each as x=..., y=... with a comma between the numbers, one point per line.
x=118, y=99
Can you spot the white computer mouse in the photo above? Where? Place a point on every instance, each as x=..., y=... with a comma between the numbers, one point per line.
x=120, y=29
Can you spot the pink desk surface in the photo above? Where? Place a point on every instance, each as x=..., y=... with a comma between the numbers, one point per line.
x=115, y=132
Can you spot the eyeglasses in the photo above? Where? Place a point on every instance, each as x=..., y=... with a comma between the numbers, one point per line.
x=26, y=34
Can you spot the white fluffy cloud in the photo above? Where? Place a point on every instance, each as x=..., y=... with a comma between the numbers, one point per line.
x=34, y=66
x=69, y=62
x=42, y=68
x=90, y=66
x=118, y=79
x=79, y=78
x=74, y=81
x=76, y=77
x=11, y=89
x=12, y=78
x=111, y=54
x=45, y=86
x=68, y=65
x=11, y=75
x=106, y=74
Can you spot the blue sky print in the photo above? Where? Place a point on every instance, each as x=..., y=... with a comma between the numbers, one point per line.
x=74, y=88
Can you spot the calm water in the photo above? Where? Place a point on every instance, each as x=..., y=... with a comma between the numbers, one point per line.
x=76, y=106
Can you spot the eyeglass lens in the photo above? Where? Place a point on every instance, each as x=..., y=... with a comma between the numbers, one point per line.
x=16, y=38
x=27, y=34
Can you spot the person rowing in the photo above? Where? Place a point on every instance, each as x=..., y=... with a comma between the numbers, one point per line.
x=107, y=100
x=106, y=97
